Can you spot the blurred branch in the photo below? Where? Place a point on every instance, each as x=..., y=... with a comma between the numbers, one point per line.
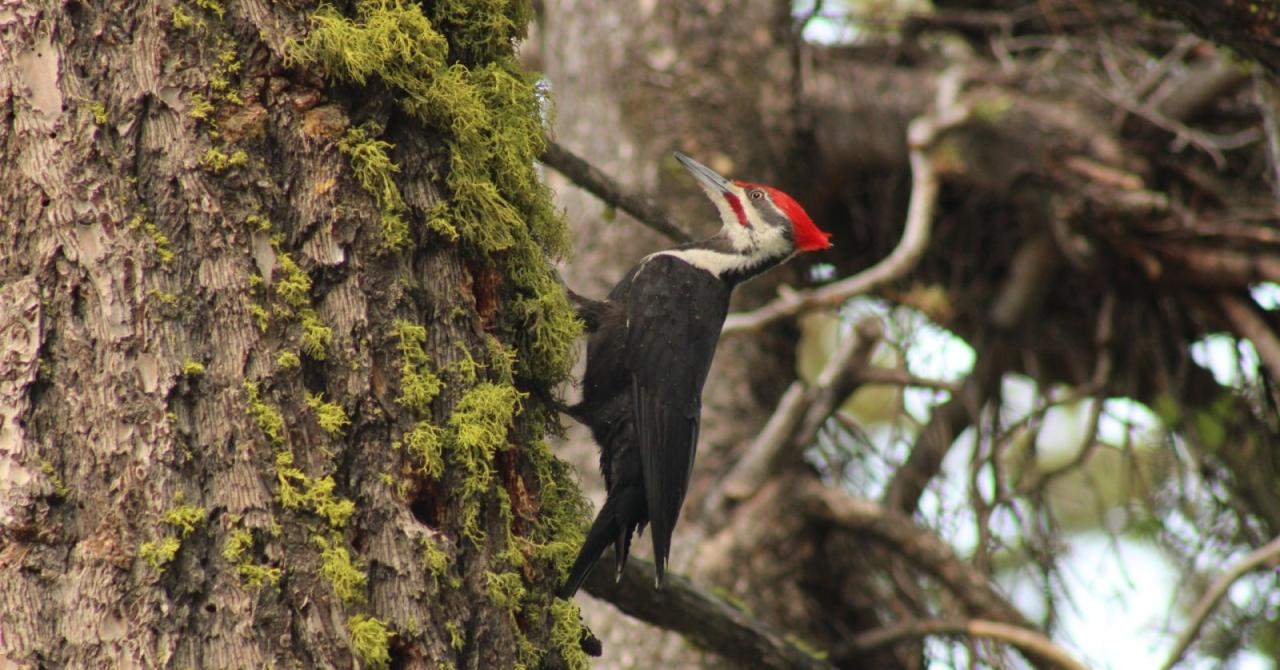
x=1025, y=639
x=601, y=185
x=801, y=412
x=921, y=547
x=1030, y=275
x=922, y=133
x=1255, y=559
x=1246, y=323
x=703, y=619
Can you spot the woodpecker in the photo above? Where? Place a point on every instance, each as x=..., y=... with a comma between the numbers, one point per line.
x=649, y=348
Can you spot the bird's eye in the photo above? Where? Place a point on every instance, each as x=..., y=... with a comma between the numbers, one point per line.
x=756, y=194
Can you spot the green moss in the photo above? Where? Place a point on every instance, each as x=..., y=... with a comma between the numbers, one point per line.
x=239, y=541
x=99, y=112
x=287, y=360
x=293, y=286
x=478, y=428
x=566, y=634
x=345, y=575
x=169, y=300
x=182, y=20
x=456, y=639
x=256, y=575
x=426, y=442
x=185, y=518
x=252, y=575
x=212, y=6
x=506, y=590
x=298, y=491
x=492, y=117
x=560, y=528
x=330, y=415
x=419, y=386
x=192, y=368
x=375, y=171
x=259, y=223
x=266, y=416
x=217, y=161
x=199, y=108
x=260, y=315
x=370, y=641
x=59, y=487
x=158, y=239
x=159, y=554
x=316, y=336
x=805, y=646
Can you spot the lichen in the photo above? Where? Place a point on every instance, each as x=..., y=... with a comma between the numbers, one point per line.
x=425, y=441
x=456, y=639
x=492, y=116
x=375, y=171
x=99, y=112
x=288, y=360
x=566, y=634
x=185, y=518
x=252, y=575
x=370, y=641
x=266, y=416
x=298, y=491
x=330, y=415
x=192, y=368
x=478, y=428
x=506, y=590
x=419, y=386
x=293, y=286
x=159, y=554
x=345, y=575
x=216, y=160
x=212, y=6
x=316, y=336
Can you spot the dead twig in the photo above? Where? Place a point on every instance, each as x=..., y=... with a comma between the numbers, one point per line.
x=1024, y=639
x=1267, y=553
x=601, y=185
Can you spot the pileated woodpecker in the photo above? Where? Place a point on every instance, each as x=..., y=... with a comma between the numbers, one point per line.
x=648, y=354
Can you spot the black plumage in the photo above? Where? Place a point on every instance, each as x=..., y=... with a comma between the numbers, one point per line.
x=650, y=347
x=646, y=364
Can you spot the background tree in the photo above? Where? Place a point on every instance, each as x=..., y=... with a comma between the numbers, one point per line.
x=277, y=339
x=1081, y=193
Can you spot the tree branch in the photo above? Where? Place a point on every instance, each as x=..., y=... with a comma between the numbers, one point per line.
x=1025, y=639
x=601, y=185
x=799, y=415
x=1030, y=275
x=919, y=546
x=1252, y=327
x=703, y=619
x=1262, y=555
x=922, y=133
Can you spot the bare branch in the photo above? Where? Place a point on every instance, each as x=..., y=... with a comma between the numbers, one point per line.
x=703, y=619
x=948, y=113
x=1263, y=555
x=584, y=174
x=1246, y=322
x=921, y=547
x=1024, y=639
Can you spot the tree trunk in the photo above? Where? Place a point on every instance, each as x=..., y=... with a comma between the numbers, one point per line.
x=278, y=353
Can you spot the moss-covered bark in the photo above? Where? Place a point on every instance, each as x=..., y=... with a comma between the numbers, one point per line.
x=288, y=335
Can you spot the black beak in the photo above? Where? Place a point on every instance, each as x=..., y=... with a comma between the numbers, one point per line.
x=706, y=177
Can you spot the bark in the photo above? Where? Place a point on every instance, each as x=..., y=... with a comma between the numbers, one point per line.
x=203, y=391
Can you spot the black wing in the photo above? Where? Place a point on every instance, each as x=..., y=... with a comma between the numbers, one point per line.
x=674, y=315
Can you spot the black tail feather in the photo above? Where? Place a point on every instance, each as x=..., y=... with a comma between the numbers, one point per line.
x=617, y=520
